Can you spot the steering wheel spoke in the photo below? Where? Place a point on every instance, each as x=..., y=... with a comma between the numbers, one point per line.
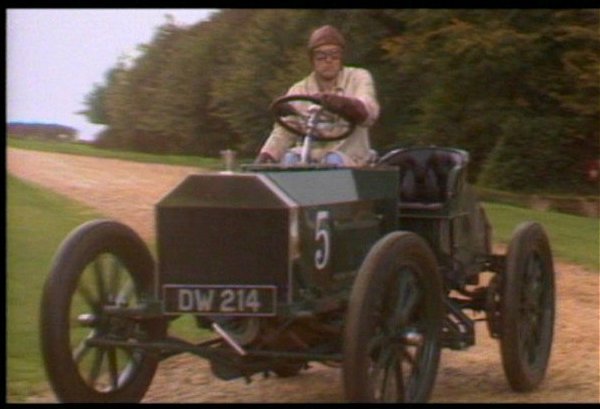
x=294, y=122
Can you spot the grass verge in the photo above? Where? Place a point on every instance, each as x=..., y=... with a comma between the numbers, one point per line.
x=572, y=238
x=37, y=222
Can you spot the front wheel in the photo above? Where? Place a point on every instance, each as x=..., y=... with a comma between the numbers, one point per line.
x=392, y=334
x=102, y=263
x=527, y=305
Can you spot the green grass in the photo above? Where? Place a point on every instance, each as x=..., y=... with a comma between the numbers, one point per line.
x=573, y=238
x=37, y=222
x=89, y=150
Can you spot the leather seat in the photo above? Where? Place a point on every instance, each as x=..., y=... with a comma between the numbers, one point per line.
x=425, y=175
x=443, y=163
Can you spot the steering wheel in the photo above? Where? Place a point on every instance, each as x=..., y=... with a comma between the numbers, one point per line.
x=321, y=123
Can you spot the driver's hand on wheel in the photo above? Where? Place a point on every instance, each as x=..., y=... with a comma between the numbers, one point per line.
x=351, y=108
x=285, y=109
x=264, y=158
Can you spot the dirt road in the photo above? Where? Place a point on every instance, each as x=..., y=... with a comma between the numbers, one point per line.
x=127, y=191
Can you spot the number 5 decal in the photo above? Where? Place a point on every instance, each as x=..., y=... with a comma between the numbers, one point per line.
x=322, y=235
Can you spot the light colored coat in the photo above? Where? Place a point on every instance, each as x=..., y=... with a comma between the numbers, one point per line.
x=351, y=82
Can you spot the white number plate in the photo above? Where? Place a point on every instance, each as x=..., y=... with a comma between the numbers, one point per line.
x=220, y=300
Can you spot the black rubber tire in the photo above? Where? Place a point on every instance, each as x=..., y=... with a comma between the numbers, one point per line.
x=527, y=307
x=69, y=299
x=397, y=267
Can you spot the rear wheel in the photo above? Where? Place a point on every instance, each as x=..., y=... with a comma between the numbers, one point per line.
x=102, y=263
x=392, y=335
x=527, y=307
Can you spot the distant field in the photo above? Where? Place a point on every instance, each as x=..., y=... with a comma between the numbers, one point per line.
x=89, y=150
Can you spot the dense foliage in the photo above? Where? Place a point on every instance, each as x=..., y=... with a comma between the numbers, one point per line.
x=41, y=131
x=519, y=89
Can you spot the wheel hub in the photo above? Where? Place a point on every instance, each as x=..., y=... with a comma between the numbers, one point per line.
x=87, y=320
x=412, y=337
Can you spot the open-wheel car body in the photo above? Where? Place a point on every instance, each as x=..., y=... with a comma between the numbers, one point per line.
x=373, y=269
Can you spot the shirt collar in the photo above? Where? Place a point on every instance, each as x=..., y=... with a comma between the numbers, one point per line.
x=313, y=85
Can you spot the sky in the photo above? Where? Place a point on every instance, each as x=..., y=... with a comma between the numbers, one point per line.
x=54, y=57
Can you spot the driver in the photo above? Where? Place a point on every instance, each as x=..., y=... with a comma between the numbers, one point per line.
x=346, y=90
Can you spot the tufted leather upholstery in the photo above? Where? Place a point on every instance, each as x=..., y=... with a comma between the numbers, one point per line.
x=425, y=174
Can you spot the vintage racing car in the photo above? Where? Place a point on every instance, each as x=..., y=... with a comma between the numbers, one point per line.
x=372, y=269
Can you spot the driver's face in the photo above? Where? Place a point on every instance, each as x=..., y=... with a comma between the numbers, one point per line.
x=327, y=61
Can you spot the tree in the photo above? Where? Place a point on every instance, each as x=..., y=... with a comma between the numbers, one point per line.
x=488, y=81
x=262, y=66
x=559, y=113
x=41, y=131
x=486, y=73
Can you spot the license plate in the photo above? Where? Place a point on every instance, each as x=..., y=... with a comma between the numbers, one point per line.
x=220, y=300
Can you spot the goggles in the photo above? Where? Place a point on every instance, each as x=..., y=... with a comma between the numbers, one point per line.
x=334, y=55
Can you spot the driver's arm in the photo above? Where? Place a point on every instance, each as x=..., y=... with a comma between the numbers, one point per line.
x=363, y=89
x=359, y=99
x=279, y=141
x=352, y=108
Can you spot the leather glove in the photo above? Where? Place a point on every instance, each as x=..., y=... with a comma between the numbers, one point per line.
x=351, y=108
x=264, y=158
x=285, y=109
